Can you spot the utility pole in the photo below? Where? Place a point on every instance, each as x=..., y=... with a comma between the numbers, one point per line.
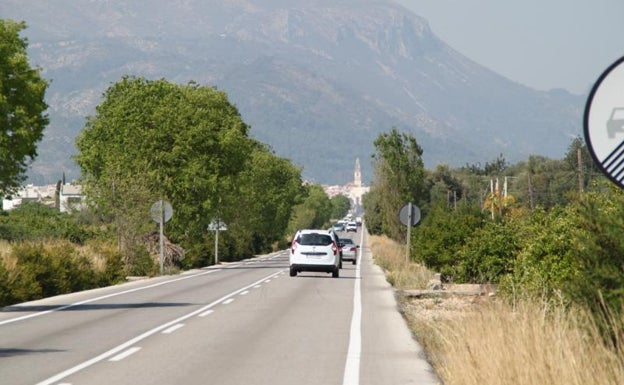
x=492, y=200
x=579, y=158
x=531, y=193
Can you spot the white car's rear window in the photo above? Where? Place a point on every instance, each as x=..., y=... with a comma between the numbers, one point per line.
x=314, y=239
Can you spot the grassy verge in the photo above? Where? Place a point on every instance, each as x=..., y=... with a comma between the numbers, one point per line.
x=481, y=340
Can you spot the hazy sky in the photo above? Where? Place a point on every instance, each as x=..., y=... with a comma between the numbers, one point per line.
x=543, y=44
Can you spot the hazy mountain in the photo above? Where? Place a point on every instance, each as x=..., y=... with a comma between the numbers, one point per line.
x=317, y=80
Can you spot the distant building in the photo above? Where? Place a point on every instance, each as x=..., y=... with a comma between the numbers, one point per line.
x=70, y=197
x=64, y=196
x=30, y=193
x=352, y=190
x=357, y=190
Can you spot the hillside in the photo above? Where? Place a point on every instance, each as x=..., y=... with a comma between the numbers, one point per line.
x=316, y=80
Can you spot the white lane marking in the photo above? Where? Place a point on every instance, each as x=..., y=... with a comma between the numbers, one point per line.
x=206, y=313
x=104, y=297
x=257, y=286
x=352, y=366
x=245, y=292
x=187, y=275
x=228, y=301
x=143, y=336
x=172, y=329
x=267, y=281
x=125, y=354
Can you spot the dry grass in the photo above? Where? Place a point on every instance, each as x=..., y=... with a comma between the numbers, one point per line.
x=93, y=253
x=482, y=341
x=390, y=256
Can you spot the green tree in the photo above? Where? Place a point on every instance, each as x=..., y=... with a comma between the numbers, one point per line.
x=340, y=206
x=444, y=187
x=269, y=189
x=372, y=210
x=399, y=177
x=22, y=106
x=153, y=140
x=314, y=212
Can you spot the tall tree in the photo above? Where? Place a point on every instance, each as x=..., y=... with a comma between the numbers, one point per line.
x=399, y=177
x=153, y=140
x=269, y=189
x=22, y=106
x=340, y=206
x=314, y=212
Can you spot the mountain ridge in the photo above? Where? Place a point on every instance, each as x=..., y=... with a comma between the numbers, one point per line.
x=302, y=73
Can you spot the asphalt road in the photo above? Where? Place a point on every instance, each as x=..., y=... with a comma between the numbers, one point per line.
x=242, y=323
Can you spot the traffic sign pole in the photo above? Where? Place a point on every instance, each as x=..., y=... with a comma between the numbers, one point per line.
x=162, y=239
x=216, y=225
x=409, y=216
x=217, y=244
x=409, y=231
x=161, y=211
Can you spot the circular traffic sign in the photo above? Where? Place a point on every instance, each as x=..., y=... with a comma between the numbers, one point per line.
x=603, y=123
x=161, y=211
x=404, y=214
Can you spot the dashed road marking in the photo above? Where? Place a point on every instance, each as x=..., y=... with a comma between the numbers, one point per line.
x=125, y=354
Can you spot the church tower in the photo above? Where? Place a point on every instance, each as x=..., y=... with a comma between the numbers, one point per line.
x=357, y=180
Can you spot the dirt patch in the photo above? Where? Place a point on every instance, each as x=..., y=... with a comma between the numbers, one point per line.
x=451, y=302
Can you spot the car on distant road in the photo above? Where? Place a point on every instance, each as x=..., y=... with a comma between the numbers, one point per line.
x=351, y=226
x=340, y=226
x=349, y=250
x=315, y=250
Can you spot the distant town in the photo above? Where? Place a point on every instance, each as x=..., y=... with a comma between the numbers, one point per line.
x=68, y=196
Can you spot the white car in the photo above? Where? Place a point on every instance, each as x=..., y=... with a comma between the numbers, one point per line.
x=351, y=226
x=315, y=250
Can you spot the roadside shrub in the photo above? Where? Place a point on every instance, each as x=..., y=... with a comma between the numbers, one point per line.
x=141, y=263
x=56, y=269
x=600, y=252
x=32, y=221
x=114, y=269
x=548, y=259
x=489, y=253
x=436, y=242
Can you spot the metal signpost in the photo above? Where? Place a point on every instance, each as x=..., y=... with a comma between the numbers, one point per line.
x=161, y=211
x=216, y=225
x=409, y=216
x=603, y=122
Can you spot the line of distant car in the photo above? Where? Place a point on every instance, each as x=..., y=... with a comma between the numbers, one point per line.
x=323, y=250
x=348, y=224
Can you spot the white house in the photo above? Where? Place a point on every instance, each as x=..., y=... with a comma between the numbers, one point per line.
x=70, y=197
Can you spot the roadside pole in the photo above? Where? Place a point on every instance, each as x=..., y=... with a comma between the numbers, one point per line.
x=216, y=225
x=409, y=231
x=409, y=216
